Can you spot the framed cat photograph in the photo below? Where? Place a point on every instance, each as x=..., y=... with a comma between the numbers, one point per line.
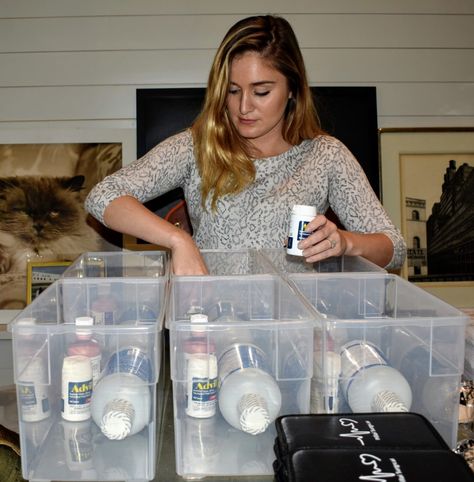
x=45, y=176
x=40, y=275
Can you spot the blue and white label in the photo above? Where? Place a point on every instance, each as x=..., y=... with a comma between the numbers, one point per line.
x=27, y=395
x=358, y=355
x=76, y=400
x=302, y=233
x=130, y=360
x=239, y=357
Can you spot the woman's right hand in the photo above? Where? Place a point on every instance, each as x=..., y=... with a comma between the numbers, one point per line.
x=127, y=215
x=186, y=258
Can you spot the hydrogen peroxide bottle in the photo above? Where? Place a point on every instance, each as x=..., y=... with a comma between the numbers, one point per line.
x=249, y=397
x=121, y=405
x=121, y=401
x=369, y=383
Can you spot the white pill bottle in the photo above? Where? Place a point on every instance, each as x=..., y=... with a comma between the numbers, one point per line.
x=301, y=216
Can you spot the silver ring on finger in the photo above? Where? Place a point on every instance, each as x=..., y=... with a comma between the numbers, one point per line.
x=333, y=243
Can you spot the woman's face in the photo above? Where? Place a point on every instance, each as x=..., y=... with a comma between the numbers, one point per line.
x=256, y=101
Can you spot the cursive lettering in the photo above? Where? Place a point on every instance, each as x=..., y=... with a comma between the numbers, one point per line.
x=377, y=475
x=354, y=431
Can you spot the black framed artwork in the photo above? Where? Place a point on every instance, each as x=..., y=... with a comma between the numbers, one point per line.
x=346, y=112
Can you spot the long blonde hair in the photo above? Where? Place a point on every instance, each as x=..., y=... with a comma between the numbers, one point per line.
x=223, y=156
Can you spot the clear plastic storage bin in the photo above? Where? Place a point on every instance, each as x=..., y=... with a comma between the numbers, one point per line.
x=70, y=376
x=234, y=262
x=385, y=342
x=287, y=263
x=469, y=355
x=234, y=373
x=119, y=264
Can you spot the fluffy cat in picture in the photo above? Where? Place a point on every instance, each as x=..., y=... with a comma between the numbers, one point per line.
x=42, y=217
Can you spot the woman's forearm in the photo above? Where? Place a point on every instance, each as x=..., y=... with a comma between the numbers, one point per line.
x=127, y=215
x=376, y=247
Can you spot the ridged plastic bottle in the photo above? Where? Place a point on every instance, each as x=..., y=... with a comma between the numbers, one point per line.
x=369, y=383
x=121, y=401
x=249, y=397
x=121, y=405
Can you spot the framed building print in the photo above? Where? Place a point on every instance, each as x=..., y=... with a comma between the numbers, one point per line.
x=428, y=190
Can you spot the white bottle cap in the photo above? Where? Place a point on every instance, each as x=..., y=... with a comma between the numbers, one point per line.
x=25, y=325
x=117, y=420
x=254, y=418
x=77, y=366
x=84, y=321
x=198, y=318
x=304, y=210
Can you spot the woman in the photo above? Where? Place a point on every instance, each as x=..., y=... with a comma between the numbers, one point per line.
x=255, y=150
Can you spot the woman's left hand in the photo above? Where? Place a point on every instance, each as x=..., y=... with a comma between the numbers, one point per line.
x=325, y=240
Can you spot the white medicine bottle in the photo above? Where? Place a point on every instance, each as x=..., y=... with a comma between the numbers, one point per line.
x=201, y=370
x=301, y=216
x=76, y=387
x=33, y=387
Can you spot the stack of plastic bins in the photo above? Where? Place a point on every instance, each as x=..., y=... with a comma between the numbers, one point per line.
x=375, y=318
x=119, y=264
x=254, y=321
x=44, y=333
x=286, y=263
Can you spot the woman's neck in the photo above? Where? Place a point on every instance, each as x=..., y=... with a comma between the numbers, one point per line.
x=269, y=150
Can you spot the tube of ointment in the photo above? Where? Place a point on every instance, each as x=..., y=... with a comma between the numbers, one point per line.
x=327, y=381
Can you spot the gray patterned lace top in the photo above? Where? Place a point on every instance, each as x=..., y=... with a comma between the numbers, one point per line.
x=320, y=172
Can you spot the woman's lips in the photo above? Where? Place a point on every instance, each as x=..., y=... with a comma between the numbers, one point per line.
x=247, y=121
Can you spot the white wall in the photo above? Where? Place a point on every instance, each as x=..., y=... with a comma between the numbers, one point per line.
x=69, y=63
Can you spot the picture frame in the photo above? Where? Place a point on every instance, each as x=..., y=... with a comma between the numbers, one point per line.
x=41, y=274
x=30, y=136
x=398, y=149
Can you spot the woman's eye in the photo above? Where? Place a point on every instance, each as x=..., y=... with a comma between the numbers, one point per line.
x=262, y=94
x=233, y=91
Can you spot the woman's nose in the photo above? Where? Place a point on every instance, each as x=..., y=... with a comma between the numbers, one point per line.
x=246, y=105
